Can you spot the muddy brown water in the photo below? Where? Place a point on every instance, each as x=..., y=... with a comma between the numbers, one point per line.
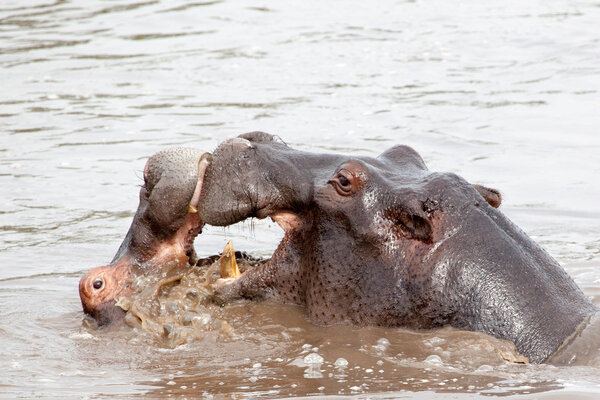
x=504, y=93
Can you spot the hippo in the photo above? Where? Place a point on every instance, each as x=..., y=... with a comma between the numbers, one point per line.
x=384, y=241
x=162, y=232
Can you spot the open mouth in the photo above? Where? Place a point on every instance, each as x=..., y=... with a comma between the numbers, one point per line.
x=175, y=305
x=173, y=199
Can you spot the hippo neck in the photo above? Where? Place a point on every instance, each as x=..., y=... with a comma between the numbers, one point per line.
x=509, y=287
x=537, y=326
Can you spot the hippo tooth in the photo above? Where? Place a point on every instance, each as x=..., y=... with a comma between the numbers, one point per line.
x=203, y=163
x=229, y=268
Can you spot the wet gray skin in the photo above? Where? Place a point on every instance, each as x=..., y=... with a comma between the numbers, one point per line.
x=384, y=241
x=162, y=232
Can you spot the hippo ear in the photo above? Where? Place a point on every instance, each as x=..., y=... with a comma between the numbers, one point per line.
x=418, y=227
x=401, y=156
x=262, y=137
x=411, y=222
x=492, y=196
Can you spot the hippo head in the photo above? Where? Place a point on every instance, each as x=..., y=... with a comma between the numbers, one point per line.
x=163, y=230
x=384, y=241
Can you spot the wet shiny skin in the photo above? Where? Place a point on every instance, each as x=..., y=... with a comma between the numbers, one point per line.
x=502, y=93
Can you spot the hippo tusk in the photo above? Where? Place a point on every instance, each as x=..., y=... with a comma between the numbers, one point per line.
x=203, y=163
x=229, y=268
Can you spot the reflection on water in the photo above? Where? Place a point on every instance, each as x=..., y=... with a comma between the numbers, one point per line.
x=502, y=93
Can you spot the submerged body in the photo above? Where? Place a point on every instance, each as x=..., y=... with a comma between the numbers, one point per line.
x=383, y=241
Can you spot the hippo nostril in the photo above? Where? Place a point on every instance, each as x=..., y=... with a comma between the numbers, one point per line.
x=98, y=284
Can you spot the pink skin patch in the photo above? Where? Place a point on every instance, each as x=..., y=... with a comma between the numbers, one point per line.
x=287, y=220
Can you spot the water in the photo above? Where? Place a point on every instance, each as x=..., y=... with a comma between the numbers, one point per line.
x=504, y=93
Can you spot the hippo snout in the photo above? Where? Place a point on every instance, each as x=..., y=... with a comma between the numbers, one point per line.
x=99, y=289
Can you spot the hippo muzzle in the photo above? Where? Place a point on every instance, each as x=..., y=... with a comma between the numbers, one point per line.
x=384, y=241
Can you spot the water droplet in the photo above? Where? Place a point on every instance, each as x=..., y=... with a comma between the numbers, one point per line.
x=313, y=358
x=434, y=359
x=341, y=362
x=484, y=368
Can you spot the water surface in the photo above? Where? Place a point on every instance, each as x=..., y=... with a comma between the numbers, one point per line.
x=504, y=93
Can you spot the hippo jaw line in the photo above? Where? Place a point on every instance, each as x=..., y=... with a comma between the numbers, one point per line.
x=101, y=287
x=181, y=247
x=146, y=245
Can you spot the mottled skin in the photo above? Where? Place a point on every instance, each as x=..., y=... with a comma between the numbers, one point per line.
x=162, y=231
x=384, y=241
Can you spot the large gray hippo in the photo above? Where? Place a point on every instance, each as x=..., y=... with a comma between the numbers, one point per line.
x=384, y=241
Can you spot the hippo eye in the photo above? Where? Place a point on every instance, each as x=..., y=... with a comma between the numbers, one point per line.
x=98, y=284
x=343, y=183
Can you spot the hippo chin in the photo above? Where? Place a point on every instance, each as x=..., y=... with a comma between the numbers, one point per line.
x=384, y=241
x=162, y=232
